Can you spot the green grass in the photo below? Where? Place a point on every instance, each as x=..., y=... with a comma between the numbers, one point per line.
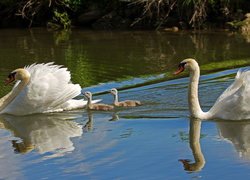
x=205, y=69
x=230, y=64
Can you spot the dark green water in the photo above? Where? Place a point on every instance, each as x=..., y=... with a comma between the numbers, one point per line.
x=151, y=141
x=99, y=57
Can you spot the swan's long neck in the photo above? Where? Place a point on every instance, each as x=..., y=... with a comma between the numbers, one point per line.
x=8, y=98
x=193, y=100
x=89, y=101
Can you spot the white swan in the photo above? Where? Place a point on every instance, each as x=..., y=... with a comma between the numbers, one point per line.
x=233, y=104
x=41, y=88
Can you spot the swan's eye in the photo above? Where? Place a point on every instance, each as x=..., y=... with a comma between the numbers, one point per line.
x=181, y=68
x=12, y=75
x=87, y=93
x=182, y=65
x=10, y=78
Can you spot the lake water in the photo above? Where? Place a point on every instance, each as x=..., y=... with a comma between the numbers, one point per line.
x=157, y=140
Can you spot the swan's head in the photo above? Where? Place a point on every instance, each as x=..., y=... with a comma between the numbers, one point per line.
x=187, y=64
x=22, y=147
x=188, y=166
x=113, y=91
x=18, y=74
x=88, y=94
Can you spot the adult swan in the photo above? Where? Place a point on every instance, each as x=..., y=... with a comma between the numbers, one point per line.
x=40, y=88
x=233, y=104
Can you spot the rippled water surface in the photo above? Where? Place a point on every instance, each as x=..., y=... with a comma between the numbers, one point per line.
x=154, y=141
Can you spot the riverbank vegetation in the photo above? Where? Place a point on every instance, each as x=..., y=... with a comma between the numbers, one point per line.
x=123, y=14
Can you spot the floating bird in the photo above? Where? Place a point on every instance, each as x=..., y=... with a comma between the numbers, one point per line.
x=41, y=88
x=234, y=102
x=127, y=103
x=102, y=107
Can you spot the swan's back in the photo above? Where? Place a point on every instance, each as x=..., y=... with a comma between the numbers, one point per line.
x=48, y=90
x=234, y=103
x=128, y=103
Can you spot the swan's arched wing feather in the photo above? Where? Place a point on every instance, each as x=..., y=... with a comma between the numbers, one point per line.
x=233, y=87
x=49, y=88
x=235, y=100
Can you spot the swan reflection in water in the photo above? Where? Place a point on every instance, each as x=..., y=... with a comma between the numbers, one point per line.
x=45, y=133
x=238, y=134
x=194, y=142
x=235, y=132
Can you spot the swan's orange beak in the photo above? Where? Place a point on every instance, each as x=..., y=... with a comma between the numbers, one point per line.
x=179, y=70
x=8, y=81
x=185, y=163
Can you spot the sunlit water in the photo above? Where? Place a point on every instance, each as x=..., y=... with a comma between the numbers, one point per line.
x=154, y=141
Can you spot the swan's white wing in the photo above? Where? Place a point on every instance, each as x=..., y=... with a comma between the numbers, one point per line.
x=48, y=89
x=234, y=103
